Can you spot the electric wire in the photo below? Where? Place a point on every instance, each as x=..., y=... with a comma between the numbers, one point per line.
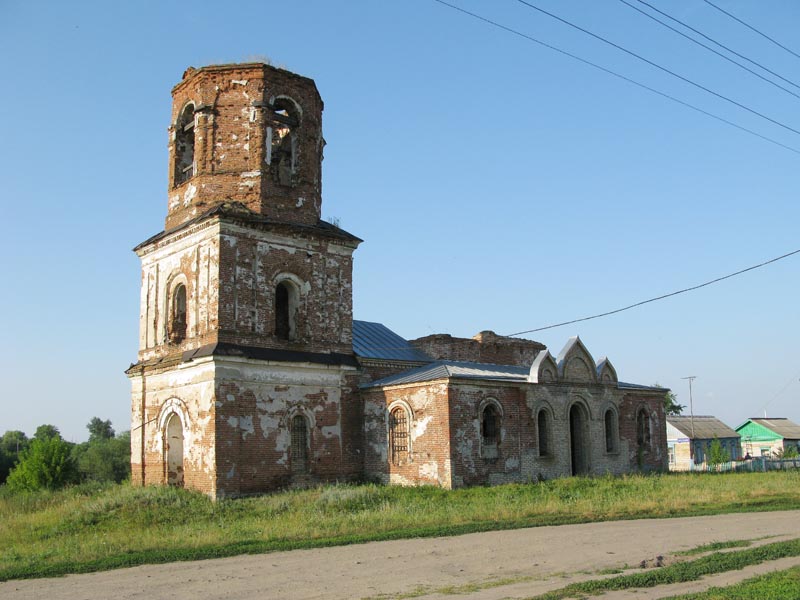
x=617, y=75
x=709, y=48
x=776, y=42
x=775, y=397
x=662, y=297
x=721, y=45
x=657, y=66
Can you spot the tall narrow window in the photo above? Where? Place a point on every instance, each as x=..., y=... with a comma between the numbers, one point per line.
x=643, y=430
x=177, y=324
x=490, y=431
x=286, y=300
x=184, y=146
x=299, y=444
x=398, y=435
x=544, y=433
x=611, y=431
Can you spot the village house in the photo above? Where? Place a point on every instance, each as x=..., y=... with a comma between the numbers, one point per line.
x=689, y=440
x=769, y=437
x=252, y=374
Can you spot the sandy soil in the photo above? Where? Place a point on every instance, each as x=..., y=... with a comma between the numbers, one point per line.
x=531, y=561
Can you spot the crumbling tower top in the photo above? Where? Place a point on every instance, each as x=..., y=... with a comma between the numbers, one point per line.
x=245, y=133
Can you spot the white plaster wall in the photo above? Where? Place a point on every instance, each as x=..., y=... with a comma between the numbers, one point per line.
x=196, y=255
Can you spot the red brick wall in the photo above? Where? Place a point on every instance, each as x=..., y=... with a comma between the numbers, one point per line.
x=429, y=456
x=231, y=146
x=485, y=347
x=469, y=466
x=654, y=457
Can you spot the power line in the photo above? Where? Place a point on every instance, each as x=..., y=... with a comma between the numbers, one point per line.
x=683, y=291
x=777, y=43
x=709, y=48
x=657, y=66
x=617, y=75
x=721, y=45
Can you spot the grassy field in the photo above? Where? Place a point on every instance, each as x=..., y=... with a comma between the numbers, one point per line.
x=103, y=527
x=781, y=585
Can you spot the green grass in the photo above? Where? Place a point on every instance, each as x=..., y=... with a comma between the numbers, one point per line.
x=91, y=528
x=714, y=546
x=718, y=562
x=781, y=585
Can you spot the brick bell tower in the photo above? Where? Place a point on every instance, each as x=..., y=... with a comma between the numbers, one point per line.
x=246, y=378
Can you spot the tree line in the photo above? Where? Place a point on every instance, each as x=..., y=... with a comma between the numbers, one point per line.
x=48, y=461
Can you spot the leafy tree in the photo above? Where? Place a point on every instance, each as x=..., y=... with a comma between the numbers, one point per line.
x=11, y=444
x=46, y=432
x=104, y=459
x=99, y=430
x=46, y=464
x=787, y=452
x=717, y=454
x=671, y=406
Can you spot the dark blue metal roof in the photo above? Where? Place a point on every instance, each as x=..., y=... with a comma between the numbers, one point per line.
x=446, y=369
x=375, y=340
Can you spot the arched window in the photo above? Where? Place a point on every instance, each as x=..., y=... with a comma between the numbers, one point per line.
x=543, y=427
x=398, y=435
x=184, y=145
x=177, y=320
x=286, y=301
x=643, y=430
x=173, y=450
x=610, y=420
x=299, y=431
x=490, y=431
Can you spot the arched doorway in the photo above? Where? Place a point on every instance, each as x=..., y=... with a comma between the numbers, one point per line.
x=579, y=439
x=173, y=450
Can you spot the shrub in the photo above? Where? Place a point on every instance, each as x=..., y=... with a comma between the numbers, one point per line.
x=46, y=464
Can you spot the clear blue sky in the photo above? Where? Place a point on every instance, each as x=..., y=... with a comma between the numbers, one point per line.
x=497, y=185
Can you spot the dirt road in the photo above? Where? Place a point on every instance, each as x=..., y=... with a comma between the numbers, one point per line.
x=529, y=561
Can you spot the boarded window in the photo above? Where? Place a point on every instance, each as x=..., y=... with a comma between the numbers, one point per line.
x=398, y=435
x=643, y=430
x=184, y=146
x=177, y=323
x=299, y=444
x=543, y=425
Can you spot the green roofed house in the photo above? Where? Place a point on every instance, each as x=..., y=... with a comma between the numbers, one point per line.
x=689, y=440
x=768, y=437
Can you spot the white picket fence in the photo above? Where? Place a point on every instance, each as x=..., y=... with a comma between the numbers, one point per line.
x=761, y=464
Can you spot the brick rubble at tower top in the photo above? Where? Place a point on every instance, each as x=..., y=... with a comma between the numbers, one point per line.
x=249, y=134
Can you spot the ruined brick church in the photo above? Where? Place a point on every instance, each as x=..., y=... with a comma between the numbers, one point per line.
x=252, y=374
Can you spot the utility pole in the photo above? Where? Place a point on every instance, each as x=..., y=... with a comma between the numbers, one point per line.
x=691, y=378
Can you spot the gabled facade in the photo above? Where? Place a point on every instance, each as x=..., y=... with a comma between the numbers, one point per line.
x=251, y=373
x=453, y=422
x=768, y=437
x=689, y=440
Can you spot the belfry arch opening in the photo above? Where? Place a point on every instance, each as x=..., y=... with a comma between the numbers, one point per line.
x=184, y=145
x=173, y=450
x=281, y=140
x=579, y=439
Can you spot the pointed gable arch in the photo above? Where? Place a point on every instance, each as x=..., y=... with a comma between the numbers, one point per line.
x=606, y=373
x=575, y=363
x=544, y=369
